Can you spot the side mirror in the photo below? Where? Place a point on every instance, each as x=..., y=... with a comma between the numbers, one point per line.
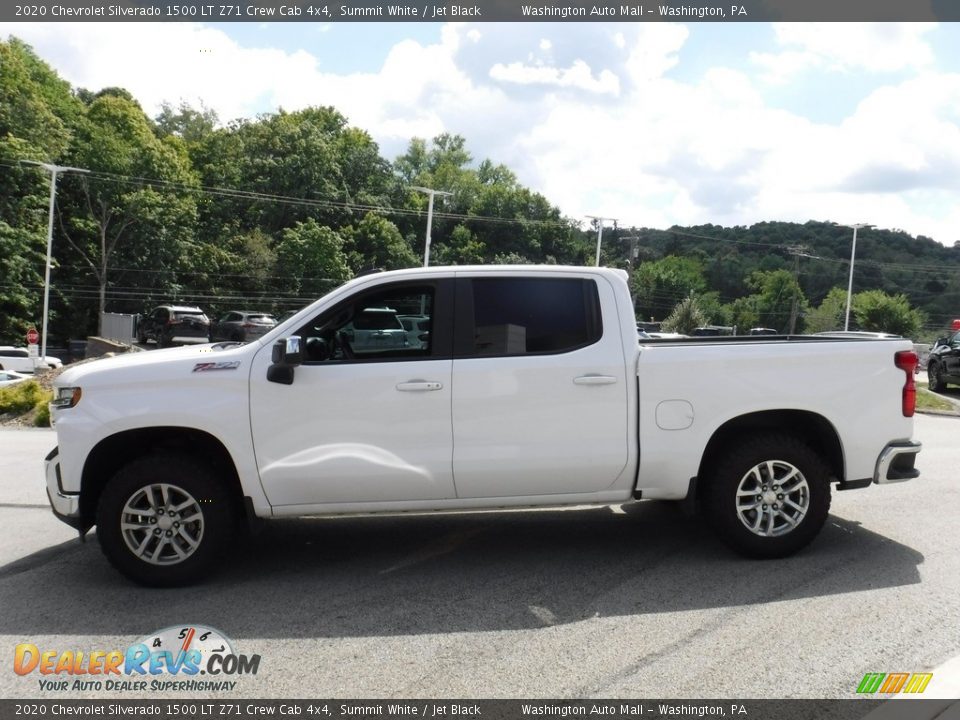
x=286, y=355
x=286, y=351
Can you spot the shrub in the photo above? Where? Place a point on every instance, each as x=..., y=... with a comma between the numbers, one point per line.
x=23, y=397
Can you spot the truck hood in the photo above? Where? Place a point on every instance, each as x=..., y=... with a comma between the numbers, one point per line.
x=152, y=365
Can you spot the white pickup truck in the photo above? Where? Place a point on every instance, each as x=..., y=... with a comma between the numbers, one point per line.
x=530, y=388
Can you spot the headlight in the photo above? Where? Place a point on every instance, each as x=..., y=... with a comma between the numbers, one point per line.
x=65, y=397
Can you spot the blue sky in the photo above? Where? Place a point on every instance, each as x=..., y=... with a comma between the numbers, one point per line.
x=652, y=124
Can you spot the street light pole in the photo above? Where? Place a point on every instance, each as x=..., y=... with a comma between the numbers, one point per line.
x=431, y=192
x=853, y=254
x=599, y=220
x=54, y=170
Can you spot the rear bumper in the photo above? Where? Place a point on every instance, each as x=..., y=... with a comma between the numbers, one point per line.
x=896, y=463
x=66, y=506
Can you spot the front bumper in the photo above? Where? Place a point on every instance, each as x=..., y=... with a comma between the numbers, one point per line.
x=66, y=506
x=896, y=463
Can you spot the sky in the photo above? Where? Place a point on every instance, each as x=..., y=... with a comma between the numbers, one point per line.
x=651, y=125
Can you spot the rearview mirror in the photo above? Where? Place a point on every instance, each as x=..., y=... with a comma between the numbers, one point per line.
x=286, y=351
x=286, y=355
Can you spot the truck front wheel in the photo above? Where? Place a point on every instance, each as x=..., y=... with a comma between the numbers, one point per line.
x=769, y=496
x=165, y=520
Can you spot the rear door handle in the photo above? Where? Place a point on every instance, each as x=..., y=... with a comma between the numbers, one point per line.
x=419, y=386
x=594, y=380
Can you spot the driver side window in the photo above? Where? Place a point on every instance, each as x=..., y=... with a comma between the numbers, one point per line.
x=387, y=324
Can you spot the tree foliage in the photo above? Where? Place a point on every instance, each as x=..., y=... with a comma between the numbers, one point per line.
x=268, y=212
x=878, y=312
x=686, y=317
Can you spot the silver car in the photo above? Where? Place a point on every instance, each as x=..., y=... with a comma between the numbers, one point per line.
x=242, y=326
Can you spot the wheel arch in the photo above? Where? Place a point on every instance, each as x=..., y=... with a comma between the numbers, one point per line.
x=115, y=451
x=814, y=429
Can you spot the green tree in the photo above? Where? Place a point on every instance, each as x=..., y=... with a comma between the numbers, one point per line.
x=658, y=286
x=527, y=226
x=186, y=122
x=36, y=112
x=124, y=215
x=376, y=242
x=685, y=317
x=779, y=300
x=311, y=256
x=876, y=311
x=829, y=315
x=463, y=248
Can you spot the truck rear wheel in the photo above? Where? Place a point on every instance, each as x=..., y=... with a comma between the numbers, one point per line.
x=769, y=496
x=165, y=520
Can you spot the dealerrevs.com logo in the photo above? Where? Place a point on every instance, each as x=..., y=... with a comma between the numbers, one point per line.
x=171, y=659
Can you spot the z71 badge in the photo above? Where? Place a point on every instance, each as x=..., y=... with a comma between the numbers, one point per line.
x=208, y=366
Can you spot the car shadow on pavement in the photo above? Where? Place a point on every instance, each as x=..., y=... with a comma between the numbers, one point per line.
x=373, y=576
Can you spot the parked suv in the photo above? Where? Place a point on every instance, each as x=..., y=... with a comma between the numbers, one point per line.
x=242, y=325
x=418, y=330
x=375, y=329
x=943, y=365
x=172, y=324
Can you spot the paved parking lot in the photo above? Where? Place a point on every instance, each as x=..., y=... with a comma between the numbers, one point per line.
x=632, y=602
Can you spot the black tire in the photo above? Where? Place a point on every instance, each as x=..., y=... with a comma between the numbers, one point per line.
x=138, y=487
x=935, y=378
x=798, y=509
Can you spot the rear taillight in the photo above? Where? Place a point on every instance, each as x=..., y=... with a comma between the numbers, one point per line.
x=906, y=360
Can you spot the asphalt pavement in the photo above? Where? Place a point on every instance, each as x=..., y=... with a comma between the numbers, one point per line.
x=634, y=602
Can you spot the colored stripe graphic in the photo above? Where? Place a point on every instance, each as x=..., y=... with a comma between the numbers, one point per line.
x=918, y=682
x=894, y=682
x=871, y=682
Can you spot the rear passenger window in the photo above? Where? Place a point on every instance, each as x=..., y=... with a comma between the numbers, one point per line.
x=521, y=316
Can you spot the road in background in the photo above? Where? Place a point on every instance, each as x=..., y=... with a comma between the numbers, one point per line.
x=632, y=602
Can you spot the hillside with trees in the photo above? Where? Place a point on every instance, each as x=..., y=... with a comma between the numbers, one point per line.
x=271, y=212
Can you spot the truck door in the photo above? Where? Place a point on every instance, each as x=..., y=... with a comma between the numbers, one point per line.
x=362, y=421
x=539, y=387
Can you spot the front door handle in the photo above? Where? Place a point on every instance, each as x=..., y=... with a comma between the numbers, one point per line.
x=419, y=386
x=594, y=380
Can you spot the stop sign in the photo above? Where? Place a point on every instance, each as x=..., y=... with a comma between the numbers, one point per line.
x=33, y=337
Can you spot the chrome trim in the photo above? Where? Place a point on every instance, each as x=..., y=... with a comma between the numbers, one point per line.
x=881, y=475
x=64, y=504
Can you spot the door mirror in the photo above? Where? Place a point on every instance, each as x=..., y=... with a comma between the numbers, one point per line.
x=286, y=355
x=286, y=351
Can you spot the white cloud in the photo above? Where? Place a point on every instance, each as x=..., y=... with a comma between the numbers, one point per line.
x=598, y=117
x=578, y=75
x=846, y=47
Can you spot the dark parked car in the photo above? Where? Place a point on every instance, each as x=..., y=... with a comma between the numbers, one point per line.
x=943, y=365
x=242, y=325
x=174, y=324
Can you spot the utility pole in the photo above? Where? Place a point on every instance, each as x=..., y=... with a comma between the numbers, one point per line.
x=54, y=170
x=431, y=192
x=630, y=260
x=600, y=234
x=853, y=254
x=797, y=251
x=634, y=251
